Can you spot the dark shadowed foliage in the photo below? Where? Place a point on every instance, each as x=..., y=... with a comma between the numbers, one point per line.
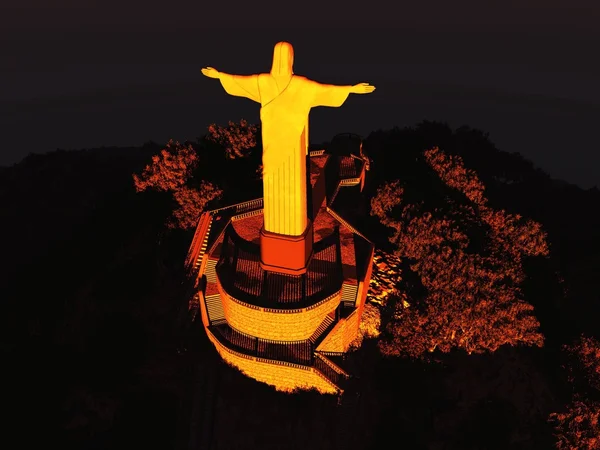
x=99, y=352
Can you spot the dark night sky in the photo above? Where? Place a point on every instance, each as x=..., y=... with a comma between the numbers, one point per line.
x=83, y=73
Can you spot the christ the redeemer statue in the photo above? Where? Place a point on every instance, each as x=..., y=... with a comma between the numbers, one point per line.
x=286, y=100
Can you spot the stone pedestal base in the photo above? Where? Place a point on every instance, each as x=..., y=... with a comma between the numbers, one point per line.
x=286, y=254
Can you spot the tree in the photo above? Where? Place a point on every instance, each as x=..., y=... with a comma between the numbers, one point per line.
x=385, y=278
x=238, y=139
x=370, y=323
x=171, y=171
x=585, y=357
x=191, y=204
x=473, y=301
x=579, y=426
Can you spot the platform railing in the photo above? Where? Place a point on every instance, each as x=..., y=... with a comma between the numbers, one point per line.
x=198, y=241
x=242, y=277
x=328, y=369
x=240, y=207
x=296, y=352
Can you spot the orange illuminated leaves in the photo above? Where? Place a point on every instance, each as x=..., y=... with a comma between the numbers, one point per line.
x=192, y=203
x=586, y=355
x=579, y=426
x=388, y=197
x=169, y=172
x=452, y=171
x=237, y=139
x=369, y=326
x=517, y=236
x=473, y=298
x=385, y=278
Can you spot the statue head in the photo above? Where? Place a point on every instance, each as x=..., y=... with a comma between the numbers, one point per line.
x=283, y=59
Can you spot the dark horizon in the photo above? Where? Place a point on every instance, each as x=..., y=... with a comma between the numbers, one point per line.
x=89, y=77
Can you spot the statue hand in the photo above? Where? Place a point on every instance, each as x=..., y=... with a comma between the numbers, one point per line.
x=210, y=72
x=362, y=88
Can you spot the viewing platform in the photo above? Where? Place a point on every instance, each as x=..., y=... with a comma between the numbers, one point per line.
x=275, y=327
x=241, y=275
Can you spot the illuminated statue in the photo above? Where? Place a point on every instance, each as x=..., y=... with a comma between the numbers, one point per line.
x=286, y=100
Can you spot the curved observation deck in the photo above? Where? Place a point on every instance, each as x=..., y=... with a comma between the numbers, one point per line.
x=279, y=328
x=241, y=276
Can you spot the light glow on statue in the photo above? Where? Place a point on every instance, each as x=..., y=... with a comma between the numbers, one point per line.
x=286, y=100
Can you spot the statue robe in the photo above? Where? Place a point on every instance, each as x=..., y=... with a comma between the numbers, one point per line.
x=285, y=106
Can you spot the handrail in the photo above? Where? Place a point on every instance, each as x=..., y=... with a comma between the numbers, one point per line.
x=317, y=363
x=218, y=238
x=304, y=291
x=281, y=363
x=278, y=310
x=250, y=204
x=345, y=223
x=338, y=389
x=196, y=241
x=335, y=193
x=254, y=212
x=243, y=207
x=296, y=352
x=326, y=370
x=333, y=365
x=327, y=353
x=235, y=218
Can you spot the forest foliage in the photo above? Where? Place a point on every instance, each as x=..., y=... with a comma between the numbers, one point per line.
x=94, y=335
x=173, y=170
x=579, y=426
x=473, y=300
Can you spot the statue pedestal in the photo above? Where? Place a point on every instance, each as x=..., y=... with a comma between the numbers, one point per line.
x=286, y=254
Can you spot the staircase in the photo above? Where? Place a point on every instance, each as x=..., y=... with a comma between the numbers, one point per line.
x=211, y=273
x=334, y=195
x=330, y=371
x=214, y=307
x=322, y=328
x=349, y=292
x=198, y=261
x=198, y=247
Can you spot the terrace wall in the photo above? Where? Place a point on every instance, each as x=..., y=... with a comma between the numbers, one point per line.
x=278, y=325
x=284, y=377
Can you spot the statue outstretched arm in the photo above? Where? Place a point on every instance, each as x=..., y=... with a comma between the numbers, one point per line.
x=237, y=85
x=362, y=88
x=334, y=96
